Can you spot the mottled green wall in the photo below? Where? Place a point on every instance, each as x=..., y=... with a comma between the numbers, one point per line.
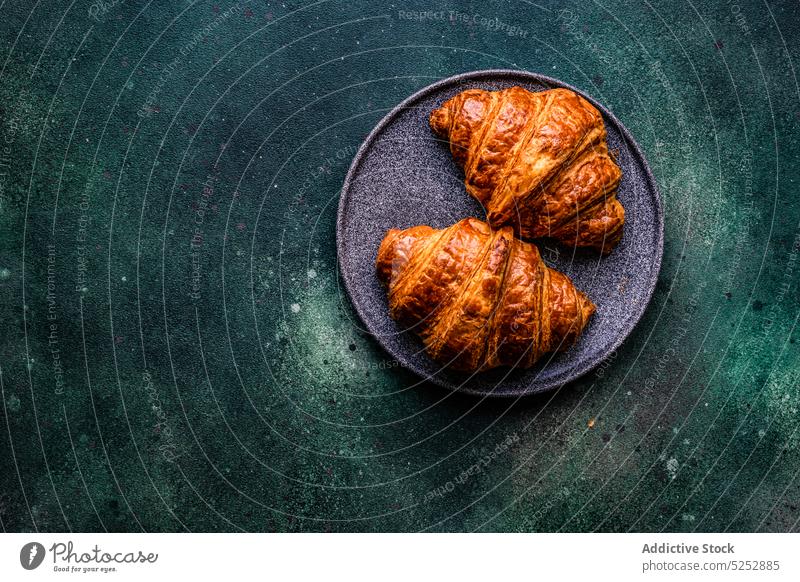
x=177, y=352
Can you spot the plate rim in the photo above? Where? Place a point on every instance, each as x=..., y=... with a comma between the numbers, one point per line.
x=655, y=269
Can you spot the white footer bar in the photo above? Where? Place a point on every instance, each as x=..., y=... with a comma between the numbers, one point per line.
x=389, y=557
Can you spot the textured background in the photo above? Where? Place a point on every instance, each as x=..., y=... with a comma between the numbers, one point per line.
x=177, y=356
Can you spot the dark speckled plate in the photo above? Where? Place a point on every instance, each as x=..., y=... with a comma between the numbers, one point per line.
x=402, y=176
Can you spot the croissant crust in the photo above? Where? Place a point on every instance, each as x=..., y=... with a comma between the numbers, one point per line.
x=479, y=298
x=538, y=162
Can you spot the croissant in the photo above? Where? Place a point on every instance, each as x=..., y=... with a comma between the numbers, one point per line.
x=479, y=298
x=536, y=161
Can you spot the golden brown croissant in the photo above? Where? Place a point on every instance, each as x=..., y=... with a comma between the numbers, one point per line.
x=536, y=161
x=479, y=298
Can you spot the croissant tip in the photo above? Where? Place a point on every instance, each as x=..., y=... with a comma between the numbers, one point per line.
x=588, y=308
x=385, y=258
x=440, y=121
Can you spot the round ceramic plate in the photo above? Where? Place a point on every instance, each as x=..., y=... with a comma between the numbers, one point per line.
x=403, y=176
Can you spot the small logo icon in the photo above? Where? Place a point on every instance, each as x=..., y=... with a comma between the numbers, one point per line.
x=31, y=555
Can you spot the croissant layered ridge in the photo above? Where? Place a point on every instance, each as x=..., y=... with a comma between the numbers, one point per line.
x=479, y=298
x=537, y=162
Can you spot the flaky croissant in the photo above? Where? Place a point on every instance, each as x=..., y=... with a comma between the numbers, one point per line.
x=479, y=298
x=538, y=162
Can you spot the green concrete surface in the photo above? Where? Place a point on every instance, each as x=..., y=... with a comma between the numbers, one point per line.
x=176, y=348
